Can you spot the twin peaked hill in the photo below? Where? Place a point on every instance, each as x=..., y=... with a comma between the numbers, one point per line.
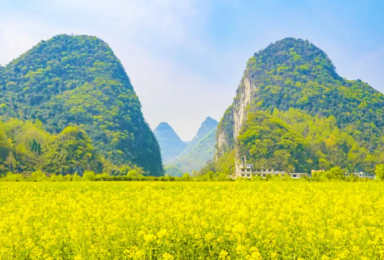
x=77, y=80
x=293, y=112
x=180, y=156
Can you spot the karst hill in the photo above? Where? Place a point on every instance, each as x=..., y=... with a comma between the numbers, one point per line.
x=78, y=81
x=292, y=111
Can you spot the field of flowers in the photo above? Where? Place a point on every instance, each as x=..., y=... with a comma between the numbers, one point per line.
x=228, y=220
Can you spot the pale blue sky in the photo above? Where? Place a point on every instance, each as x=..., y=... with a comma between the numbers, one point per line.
x=186, y=58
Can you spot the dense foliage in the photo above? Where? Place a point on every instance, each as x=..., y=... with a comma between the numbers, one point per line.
x=77, y=80
x=296, y=74
x=294, y=140
x=269, y=142
x=271, y=220
x=339, y=122
x=25, y=147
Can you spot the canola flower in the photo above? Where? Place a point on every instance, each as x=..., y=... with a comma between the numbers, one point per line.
x=231, y=220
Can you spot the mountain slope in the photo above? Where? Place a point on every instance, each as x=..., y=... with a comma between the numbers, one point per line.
x=198, y=155
x=295, y=74
x=77, y=80
x=200, y=150
x=170, y=143
x=206, y=127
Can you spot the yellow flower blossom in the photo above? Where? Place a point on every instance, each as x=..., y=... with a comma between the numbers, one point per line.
x=223, y=254
x=167, y=256
x=150, y=220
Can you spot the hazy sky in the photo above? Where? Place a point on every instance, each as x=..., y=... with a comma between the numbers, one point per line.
x=185, y=58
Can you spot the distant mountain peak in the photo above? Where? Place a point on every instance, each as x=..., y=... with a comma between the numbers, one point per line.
x=200, y=149
x=209, y=120
x=208, y=124
x=170, y=143
x=166, y=128
x=163, y=126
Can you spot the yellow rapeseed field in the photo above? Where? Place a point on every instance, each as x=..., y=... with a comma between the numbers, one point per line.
x=227, y=220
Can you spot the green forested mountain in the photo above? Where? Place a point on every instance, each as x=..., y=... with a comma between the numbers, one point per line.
x=199, y=150
x=78, y=81
x=293, y=111
x=170, y=143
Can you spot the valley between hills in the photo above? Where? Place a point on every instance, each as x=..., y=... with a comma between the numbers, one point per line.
x=67, y=106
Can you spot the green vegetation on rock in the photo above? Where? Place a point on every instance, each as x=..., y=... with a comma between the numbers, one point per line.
x=25, y=147
x=293, y=111
x=295, y=141
x=78, y=81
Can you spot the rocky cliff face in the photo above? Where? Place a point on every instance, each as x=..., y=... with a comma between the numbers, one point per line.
x=231, y=123
x=230, y=126
x=225, y=140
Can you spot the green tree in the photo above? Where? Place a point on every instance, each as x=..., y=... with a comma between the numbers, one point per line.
x=89, y=176
x=10, y=161
x=379, y=171
x=134, y=174
x=38, y=176
x=269, y=142
x=186, y=177
x=75, y=177
x=14, y=177
x=71, y=151
x=335, y=173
